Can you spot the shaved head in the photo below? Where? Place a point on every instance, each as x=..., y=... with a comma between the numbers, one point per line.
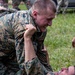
x=44, y=5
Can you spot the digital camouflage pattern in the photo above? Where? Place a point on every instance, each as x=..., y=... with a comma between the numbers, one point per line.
x=34, y=67
x=12, y=43
x=6, y=11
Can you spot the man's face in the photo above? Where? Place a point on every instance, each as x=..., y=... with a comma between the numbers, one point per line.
x=44, y=20
x=66, y=71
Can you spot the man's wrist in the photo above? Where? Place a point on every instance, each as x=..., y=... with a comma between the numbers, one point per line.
x=27, y=38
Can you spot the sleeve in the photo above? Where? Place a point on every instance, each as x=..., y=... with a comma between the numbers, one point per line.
x=19, y=22
x=34, y=67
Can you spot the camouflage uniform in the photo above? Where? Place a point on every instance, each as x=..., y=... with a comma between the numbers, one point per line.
x=1, y=2
x=12, y=45
x=28, y=3
x=34, y=67
x=4, y=3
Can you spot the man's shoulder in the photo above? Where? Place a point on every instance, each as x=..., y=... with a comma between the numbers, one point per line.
x=23, y=11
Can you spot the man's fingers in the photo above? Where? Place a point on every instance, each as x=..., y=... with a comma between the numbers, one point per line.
x=26, y=28
x=29, y=30
x=30, y=27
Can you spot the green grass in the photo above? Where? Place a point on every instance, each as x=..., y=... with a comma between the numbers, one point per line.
x=22, y=7
x=58, y=40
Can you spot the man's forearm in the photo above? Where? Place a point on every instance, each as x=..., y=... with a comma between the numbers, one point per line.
x=29, y=49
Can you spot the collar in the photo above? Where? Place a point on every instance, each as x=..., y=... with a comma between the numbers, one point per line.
x=31, y=21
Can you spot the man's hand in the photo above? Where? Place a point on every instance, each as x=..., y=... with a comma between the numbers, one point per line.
x=29, y=31
x=73, y=42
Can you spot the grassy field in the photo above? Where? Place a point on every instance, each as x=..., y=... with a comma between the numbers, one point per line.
x=58, y=40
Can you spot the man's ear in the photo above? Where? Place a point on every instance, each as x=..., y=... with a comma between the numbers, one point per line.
x=34, y=14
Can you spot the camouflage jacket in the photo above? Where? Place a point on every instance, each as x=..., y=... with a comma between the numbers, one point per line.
x=12, y=42
x=34, y=67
